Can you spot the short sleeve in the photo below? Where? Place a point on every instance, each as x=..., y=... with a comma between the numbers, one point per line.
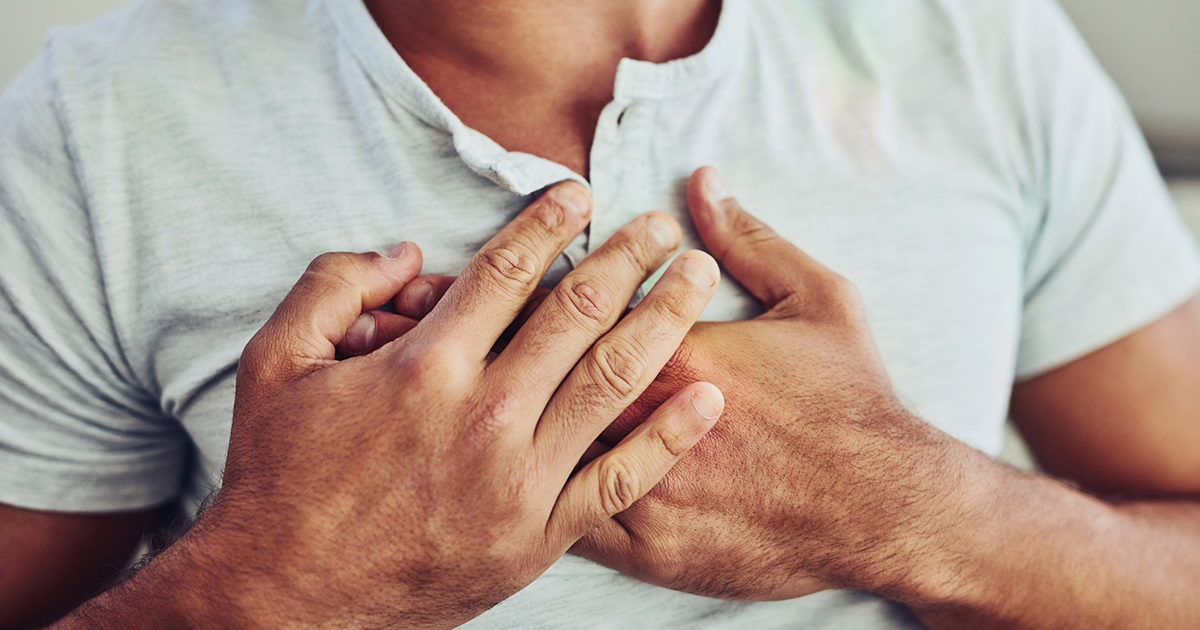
x=77, y=431
x=1107, y=253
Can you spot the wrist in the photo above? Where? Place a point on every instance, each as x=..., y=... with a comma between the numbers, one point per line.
x=951, y=528
x=932, y=516
x=238, y=577
x=208, y=578
x=259, y=579
x=994, y=544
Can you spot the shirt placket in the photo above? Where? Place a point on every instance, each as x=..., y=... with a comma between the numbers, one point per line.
x=619, y=168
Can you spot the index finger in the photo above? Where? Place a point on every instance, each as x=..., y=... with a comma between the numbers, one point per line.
x=494, y=287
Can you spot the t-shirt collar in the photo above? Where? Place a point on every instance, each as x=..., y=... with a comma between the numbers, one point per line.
x=521, y=172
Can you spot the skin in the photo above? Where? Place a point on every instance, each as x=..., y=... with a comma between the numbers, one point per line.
x=491, y=62
x=1019, y=550
x=838, y=486
x=54, y=561
x=429, y=503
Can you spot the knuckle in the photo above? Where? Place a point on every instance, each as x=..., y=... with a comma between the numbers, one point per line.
x=680, y=362
x=497, y=413
x=331, y=262
x=415, y=371
x=260, y=361
x=427, y=367
x=671, y=439
x=750, y=233
x=568, y=199
x=840, y=292
x=583, y=298
x=252, y=361
x=513, y=266
x=617, y=367
x=334, y=268
x=667, y=564
x=551, y=210
x=619, y=486
x=634, y=249
x=791, y=306
x=675, y=307
x=369, y=258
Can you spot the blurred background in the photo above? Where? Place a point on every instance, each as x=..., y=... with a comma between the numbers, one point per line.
x=1151, y=48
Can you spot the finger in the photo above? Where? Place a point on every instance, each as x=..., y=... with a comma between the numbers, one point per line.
x=415, y=302
x=373, y=330
x=611, y=544
x=313, y=319
x=769, y=266
x=594, y=450
x=418, y=297
x=619, y=367
x=539, y=296
x=584, y=306
x=485, y=299
x=615, y=480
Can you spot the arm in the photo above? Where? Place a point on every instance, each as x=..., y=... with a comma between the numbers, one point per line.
x=85, y=453
x=423, y=483
x=880, y=501
x=1124, y=420
x=53, y=561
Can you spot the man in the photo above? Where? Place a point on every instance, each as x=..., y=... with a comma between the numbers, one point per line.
x=168, y=171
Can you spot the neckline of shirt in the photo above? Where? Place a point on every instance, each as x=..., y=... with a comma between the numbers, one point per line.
x=519, y=172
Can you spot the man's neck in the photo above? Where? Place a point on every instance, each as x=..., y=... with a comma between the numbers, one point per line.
x=534, y=74
x=544, y=41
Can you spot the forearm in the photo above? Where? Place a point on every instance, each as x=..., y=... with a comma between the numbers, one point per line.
x=188, y=585
x=1032, y=552
x=222, y=574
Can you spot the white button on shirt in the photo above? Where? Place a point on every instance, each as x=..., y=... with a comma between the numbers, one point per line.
x=167, y=173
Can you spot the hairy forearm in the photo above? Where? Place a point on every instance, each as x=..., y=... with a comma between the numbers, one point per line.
x=1032, y=552
x=218, y=574
x=182, y=587
x=224, y=574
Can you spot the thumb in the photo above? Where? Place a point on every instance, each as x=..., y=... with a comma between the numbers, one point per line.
x=313, y=319
x=769, y=266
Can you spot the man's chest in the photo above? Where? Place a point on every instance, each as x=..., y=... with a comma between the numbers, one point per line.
x=927, y=232
x=939, y=270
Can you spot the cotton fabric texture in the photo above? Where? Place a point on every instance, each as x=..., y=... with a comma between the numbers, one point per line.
x=167, y=172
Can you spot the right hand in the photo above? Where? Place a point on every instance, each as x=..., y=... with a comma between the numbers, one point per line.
x=425, y=482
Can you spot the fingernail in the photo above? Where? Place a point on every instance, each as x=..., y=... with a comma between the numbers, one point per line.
x=396, y=251
x=574, y=198
x=420, y=299
x=708, y=405
x=361, y=333
x=716, y=188
x=698, y=270
x=662, y=230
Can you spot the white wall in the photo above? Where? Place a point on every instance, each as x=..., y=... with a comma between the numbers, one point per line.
x=23, y=25
x=1152, y=49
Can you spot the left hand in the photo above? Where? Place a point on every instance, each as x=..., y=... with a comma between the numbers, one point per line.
x=817, y=476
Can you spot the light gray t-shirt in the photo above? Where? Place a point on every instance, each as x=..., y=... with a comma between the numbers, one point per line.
x=167, y=172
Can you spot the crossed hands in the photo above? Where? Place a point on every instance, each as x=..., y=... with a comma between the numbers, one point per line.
x=431, y=476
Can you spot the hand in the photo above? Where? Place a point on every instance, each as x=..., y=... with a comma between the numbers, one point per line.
x=817, y=477
x=423, y=483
